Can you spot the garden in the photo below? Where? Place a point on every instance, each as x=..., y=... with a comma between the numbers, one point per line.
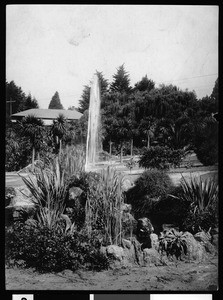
x=101, y=229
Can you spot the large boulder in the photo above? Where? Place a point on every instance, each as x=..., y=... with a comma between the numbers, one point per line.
x=129, y=223
x=154, y=241
x=127, y=255
x=151, y=257
x=205, y=239
x=143, y=231
x=195, y=250
x=126, y=185
x=20, y=206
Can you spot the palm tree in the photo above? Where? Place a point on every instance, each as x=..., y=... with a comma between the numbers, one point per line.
x=148, y=126
x=59, y=129
x=32, y=128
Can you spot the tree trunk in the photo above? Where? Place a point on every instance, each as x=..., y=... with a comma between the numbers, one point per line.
x=131, y=150
x=121, y=154
x=110, y=148
x=60, y=147
x=148, y=140
x=38, y=156
x=33, y=158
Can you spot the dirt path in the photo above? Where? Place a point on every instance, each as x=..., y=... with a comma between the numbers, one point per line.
x=180, y=277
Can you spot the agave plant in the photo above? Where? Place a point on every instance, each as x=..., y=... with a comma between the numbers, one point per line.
x=173, y=242
x=200, y=194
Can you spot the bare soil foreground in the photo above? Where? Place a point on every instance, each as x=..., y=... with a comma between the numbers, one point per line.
x=180, y=276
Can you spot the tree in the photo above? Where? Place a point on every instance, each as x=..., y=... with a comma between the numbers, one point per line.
x=214, y=95
x=81, y=128
x=175, y=134
x=15, y=99
x=59, y=129
x=85, y=97
x=121, y=81
x=32, y=128
x=206, y=141
x=30, y=103
x=144, y=85
x=55, y=102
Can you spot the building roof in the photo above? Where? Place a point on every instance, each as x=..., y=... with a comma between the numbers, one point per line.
x=48, y=114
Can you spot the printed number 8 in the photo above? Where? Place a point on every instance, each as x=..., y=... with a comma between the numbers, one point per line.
x=23, y=298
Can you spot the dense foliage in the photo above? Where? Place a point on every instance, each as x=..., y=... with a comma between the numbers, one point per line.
x=201, y=197
x=149, y=188
x=49, y=250
x=55, y=102
x=206, y=141
x=162, y=158
x=146, y=115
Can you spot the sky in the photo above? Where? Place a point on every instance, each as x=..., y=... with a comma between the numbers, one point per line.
x=53, y=48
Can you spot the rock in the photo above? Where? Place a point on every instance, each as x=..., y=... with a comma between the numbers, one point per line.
x=126, y=208
x=215, y=240
x=74, y=197
x=129, y=224
x=21, y=206
x=151, y=257
x=154, y=241
x=75, y=192
x=115, y=252
x=203, y=236
x=143, y=231
x=126, y=185
x=205, y=239
x=167, y=227
x=195, y=250
x=23, y=197
x=126, y=243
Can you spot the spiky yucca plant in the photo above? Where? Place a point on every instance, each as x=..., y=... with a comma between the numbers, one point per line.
x=49, y=190
x=200, y=194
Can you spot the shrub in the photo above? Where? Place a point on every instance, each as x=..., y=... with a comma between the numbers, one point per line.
x=202, y=199
x=170, y=210
x=130, y=164
x=49, y=250
x=159, y=157
x=173, y=242
x=206, y=142
x=150, y=187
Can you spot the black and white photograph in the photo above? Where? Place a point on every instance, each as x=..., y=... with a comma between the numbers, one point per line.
x=111, y=149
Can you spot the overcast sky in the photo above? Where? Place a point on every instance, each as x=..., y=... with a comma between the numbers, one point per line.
x=53, y=48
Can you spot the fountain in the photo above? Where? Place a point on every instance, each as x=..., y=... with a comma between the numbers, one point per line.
x=93, y=139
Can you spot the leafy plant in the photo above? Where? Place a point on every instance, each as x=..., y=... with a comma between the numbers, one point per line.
x=103, y=206
x=150, y=187
x=32, y=128
x=173, y=242
x=48, y=250
x=130, y=164
x=49, y=190
x=160, y=157
x=206, y=141
x=202, y=198
x=72, y=161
